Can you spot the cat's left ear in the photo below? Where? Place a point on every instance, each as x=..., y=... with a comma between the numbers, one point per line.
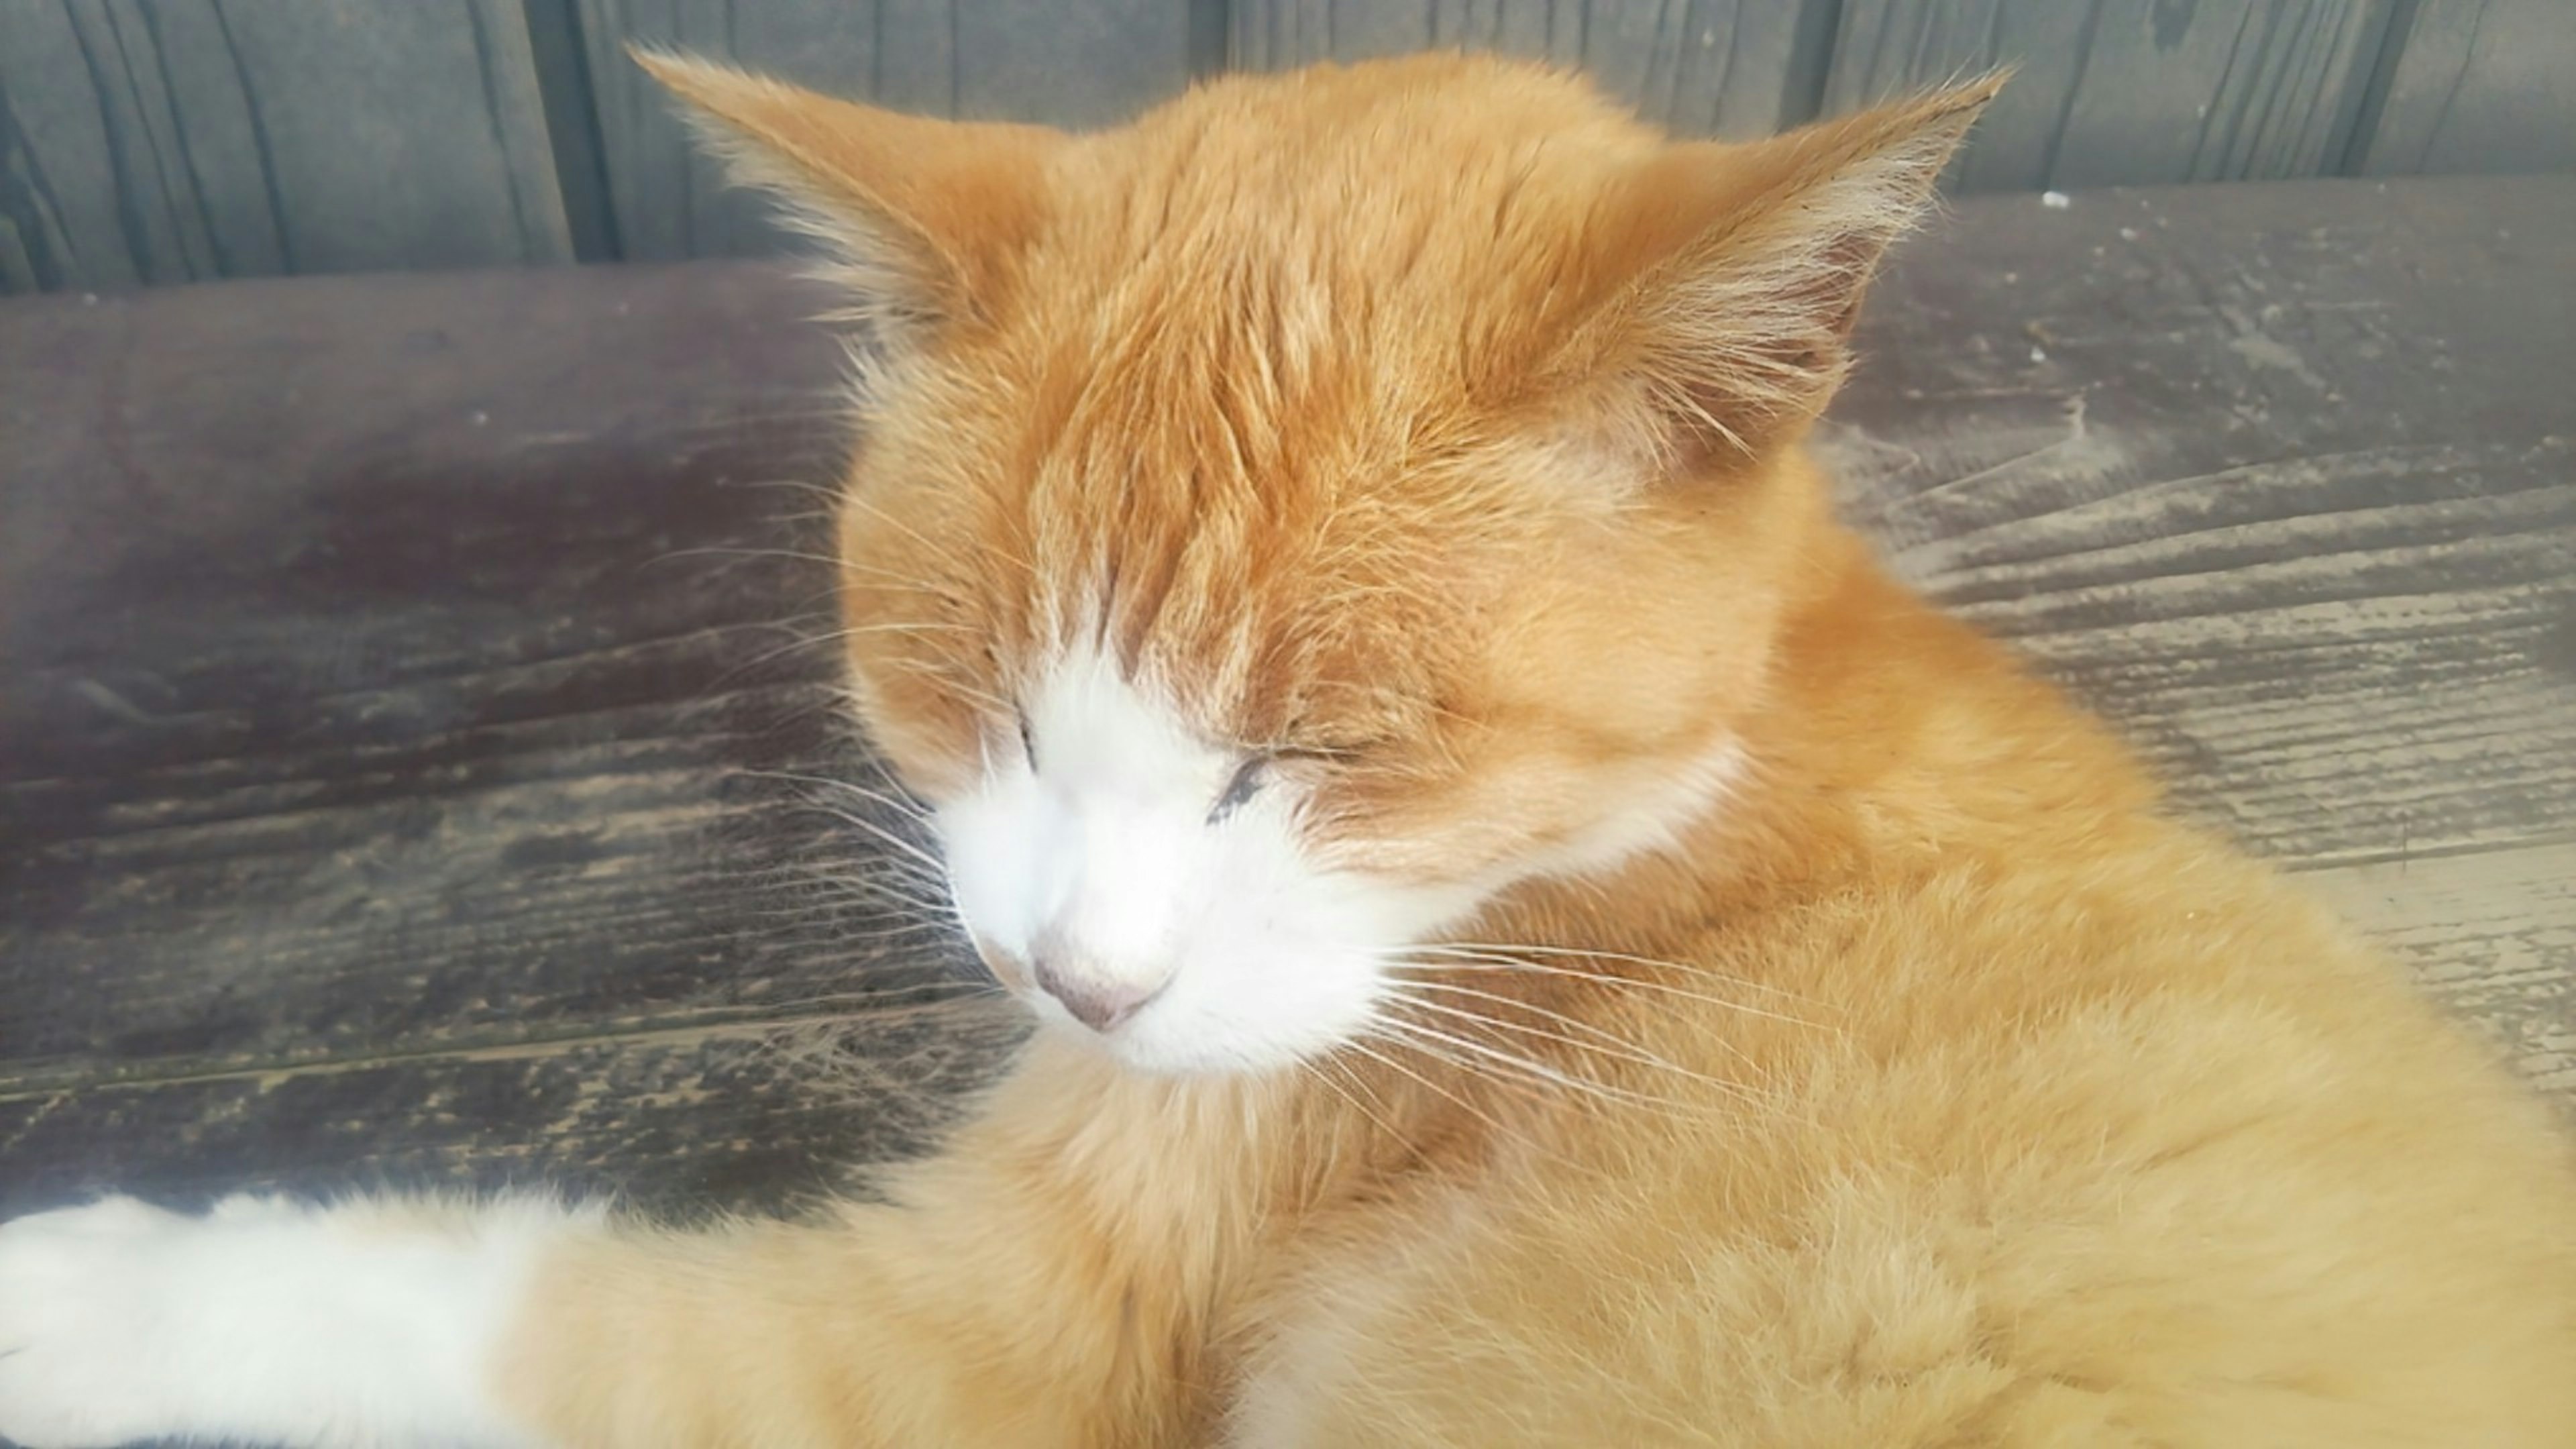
x=926, y=215
x=1723, y=280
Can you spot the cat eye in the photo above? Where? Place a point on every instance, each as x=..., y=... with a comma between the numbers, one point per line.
x=1245, y=784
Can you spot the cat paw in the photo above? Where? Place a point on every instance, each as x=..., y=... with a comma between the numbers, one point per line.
x=265, y=1321
x=84, y=1315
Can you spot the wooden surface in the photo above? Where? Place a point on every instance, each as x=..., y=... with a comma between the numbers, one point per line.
x=398, y=768
x=390, y=770
x=2491, y=934
x=146, y=141
x=2479, y=85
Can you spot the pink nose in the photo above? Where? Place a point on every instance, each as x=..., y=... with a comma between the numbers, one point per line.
x=1095, y=1001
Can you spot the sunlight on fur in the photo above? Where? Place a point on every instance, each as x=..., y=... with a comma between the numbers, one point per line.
x=1537, y=939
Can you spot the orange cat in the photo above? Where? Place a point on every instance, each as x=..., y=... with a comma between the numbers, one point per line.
x=1540, y=941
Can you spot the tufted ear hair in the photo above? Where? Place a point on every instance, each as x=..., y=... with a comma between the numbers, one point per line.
x=925, y=216
x=1727, y=276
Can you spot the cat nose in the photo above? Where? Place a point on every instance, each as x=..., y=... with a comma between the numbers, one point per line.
x=1096, y=998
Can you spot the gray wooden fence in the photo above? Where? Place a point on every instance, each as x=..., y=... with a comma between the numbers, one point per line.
x=152, y=141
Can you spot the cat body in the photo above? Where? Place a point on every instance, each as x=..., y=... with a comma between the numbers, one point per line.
x=1538, y=939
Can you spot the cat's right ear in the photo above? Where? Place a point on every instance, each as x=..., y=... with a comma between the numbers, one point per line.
x=926, y=216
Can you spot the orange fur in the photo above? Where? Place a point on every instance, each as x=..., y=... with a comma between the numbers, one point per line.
x=1436, y=422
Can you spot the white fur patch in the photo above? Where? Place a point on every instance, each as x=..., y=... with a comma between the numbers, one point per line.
x=1101, y=852
x=266, y=1321
x=1104, y=850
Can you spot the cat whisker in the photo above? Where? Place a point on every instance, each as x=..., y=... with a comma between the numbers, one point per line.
x=1452, y=965
x=837, y=934
x=919, y=856
x=1591, y=1038
x=917, y=626
x=1616, y=1050
x=1360, y=1084
x=901, y=880
x=912, y=897
x=1530, y=1071
x=1439, y=958
x=823, y=491
x=735, y=551
x=1429, y=1047
x=838, y=636
x=1360, y=1044
x=886, y=1000
x=894, y=794
x=905, y=899
x=907, y=849
x=1315, y=1069
x=886, y=905
x=881, y=874
x=889, y=837
x=1656, y=962
x=897, y=799
x=829, y=924
x=891, y=901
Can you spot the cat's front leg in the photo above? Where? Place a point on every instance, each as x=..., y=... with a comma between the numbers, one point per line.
x=265, y=1321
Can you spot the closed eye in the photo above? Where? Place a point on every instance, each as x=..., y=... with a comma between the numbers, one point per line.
x=1240, y=790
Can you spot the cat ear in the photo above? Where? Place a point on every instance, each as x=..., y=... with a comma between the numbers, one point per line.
x=1725, y=278
x=925, y=215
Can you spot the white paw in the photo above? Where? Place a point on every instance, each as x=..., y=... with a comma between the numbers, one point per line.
x=263, y=1322
x=85, y=1314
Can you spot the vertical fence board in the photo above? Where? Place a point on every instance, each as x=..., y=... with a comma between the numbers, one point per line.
x=1063, y=64
x=144, y=141
x=2120, y=92
x=1700, y=67
x=149, y=141
x=2482, y=85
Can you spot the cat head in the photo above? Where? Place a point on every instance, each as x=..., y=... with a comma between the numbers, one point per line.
x=1288, y=522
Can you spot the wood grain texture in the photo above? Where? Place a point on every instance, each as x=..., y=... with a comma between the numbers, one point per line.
x=355, y=656
x=2480, y=85
x=2111, y=93
x=398, y=773
x=683, y=1120
x=2492, y=936
x=149, y=142
x=1068, y=65
x=1732, y=68
x=405, y=753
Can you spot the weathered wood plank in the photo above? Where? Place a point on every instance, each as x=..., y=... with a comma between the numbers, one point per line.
x=687, y=1120
x=1069, y=65
x=2492, y=936
x=2126, y=94
x=144, y=142
x=366, y=685
x=1716, y=67
x=2481, y=85
x=2282, y=479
